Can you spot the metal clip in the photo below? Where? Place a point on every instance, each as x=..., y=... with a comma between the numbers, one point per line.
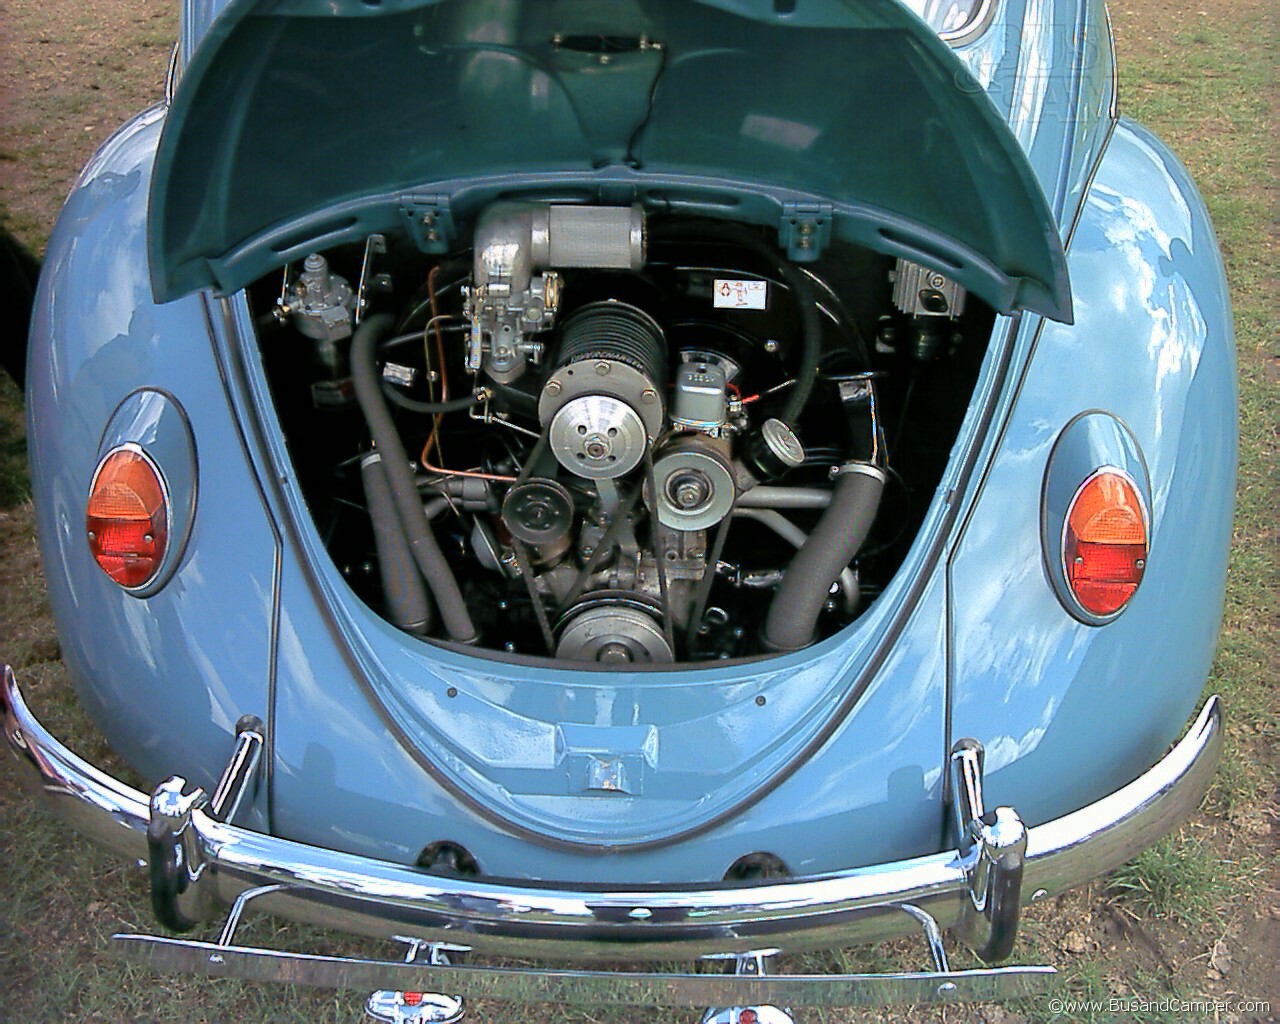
x=429, y=221
x=805, y=230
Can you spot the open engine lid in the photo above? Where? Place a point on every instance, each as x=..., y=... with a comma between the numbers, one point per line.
x=301, y=124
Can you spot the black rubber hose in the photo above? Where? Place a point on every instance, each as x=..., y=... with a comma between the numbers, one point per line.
x=429, y=408
x=519, y=400
x=395, y=465
x=408, y=604
x=793, y=613
x=810, y=342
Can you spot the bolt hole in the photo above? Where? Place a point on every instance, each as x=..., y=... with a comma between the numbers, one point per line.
x=933, y=301
x=581, y=429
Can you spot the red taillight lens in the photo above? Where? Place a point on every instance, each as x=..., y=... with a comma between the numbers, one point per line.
x=1105, y=543
x=127, y=518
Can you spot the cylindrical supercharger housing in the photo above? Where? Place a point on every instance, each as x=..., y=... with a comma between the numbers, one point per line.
x=602, y=404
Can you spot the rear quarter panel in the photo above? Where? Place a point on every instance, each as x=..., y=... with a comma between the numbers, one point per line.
x=1068, y=712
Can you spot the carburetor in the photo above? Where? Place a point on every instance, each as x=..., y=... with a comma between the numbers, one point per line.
x=515, y=290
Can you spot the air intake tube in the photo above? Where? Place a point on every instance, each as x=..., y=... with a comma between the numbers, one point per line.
x=833, y=544
x=407, y=602
x=422, y=543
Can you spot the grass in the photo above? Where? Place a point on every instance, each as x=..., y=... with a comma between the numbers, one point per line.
x=14, y=485
x=1202, y=76
x=1180, y=877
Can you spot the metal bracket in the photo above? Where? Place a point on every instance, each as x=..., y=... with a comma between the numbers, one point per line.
x=553, y=986
x=995, y=843
x=752, y=965
x=181, y=895
x=429, y=221
x=228, y=933
x=399, y=1007
x=375, y=245
x=241, y=771
x=805, y=230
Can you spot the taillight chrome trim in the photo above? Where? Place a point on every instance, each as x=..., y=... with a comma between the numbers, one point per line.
x=1092, y=442
x=154, y=422
x=973, y=28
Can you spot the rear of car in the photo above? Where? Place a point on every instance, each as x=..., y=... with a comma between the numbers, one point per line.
x=716, y=741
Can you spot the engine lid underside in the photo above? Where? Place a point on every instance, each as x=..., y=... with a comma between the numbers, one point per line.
x=299, y=125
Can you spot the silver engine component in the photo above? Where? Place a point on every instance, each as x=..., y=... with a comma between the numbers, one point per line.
x=598, y=437
x=919, y=291
x=599, y=237
x=770, y=452
x=319, y=302
x=510, y=299
x=699, y=401
x=695, y=485
x=616, y=629
x=602, y=406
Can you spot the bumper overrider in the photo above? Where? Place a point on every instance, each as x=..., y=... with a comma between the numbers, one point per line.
x=198, y=862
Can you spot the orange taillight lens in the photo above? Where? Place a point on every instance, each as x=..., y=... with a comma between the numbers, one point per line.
x=1104, y=546
x=127, y=520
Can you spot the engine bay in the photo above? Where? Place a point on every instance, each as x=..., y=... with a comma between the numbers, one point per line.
x=617, y=437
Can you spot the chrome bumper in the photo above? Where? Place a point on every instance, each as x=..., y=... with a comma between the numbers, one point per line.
x=359, y=895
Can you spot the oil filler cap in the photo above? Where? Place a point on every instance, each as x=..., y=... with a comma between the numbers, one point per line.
x=774, y=451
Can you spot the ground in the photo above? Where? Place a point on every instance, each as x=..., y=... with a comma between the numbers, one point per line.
x=1197, y=918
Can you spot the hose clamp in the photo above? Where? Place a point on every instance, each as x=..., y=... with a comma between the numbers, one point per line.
x=865, y=468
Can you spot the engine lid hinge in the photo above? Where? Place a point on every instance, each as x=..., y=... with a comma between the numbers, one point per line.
x=805, y=230
x=429, y=220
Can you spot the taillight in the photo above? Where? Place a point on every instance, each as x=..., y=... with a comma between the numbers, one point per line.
x=127, y=519
x=1104, y=543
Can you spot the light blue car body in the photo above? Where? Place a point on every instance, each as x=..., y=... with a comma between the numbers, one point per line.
x=828, y=758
